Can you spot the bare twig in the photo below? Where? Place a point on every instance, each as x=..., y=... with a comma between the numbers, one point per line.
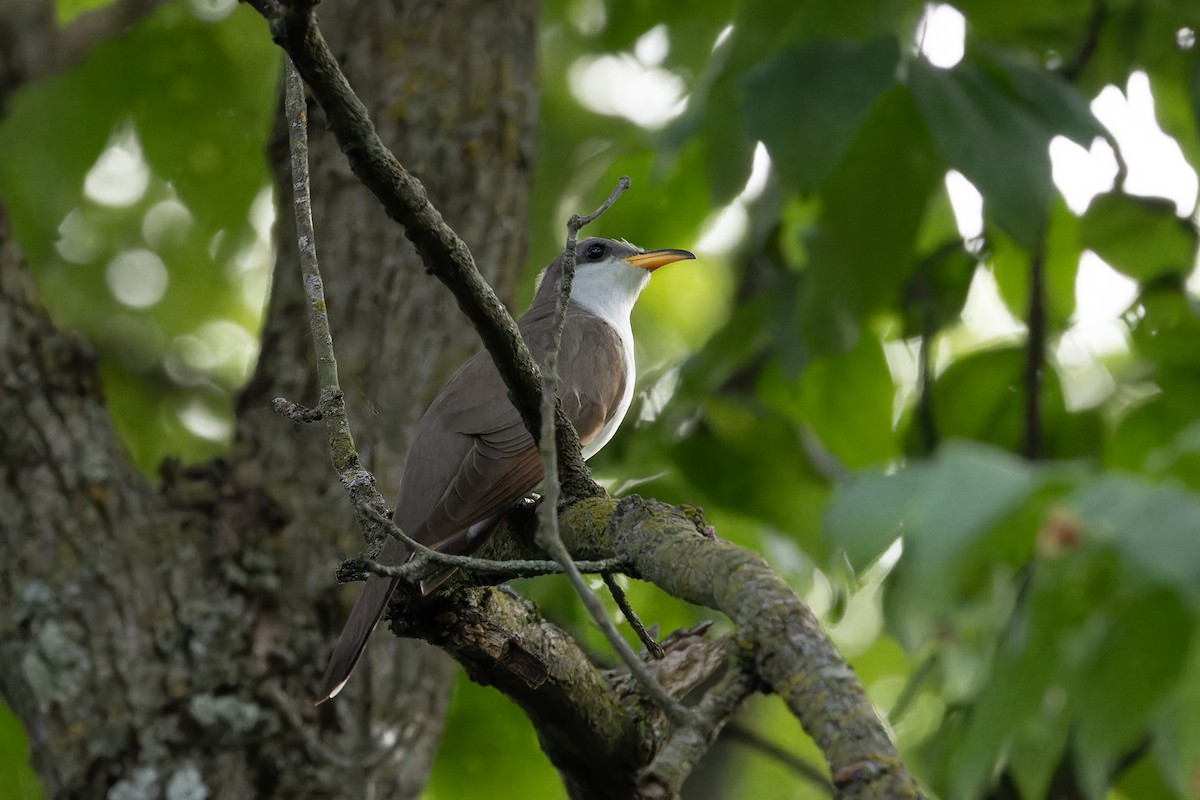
x=688, y=743
x=416, y=567
x=357, y=480
x=404, y=199
x=1035, y=349
x=548, y=536
x=652, y=647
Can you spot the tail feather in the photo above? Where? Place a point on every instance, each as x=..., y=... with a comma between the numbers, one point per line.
x=368, y=608
x=373, y=601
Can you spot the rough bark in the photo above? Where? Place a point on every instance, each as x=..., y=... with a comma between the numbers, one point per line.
x=160, y=639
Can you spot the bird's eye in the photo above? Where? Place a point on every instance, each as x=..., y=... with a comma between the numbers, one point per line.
x=595, y=252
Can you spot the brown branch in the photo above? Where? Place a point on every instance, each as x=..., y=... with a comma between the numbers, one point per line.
x=584, y=725
x=687, y=744
x=357, y=480
x=445, y=255
x=618, y=595
x=673, y=549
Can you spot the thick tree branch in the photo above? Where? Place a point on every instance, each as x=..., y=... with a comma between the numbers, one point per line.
x=673, y=549
x=584, y=726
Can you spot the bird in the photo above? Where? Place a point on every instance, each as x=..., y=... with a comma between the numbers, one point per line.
x=471, y=457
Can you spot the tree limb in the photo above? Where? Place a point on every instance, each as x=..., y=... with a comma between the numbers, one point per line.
x=445, y=255
x=356, y=479
x=673, y=549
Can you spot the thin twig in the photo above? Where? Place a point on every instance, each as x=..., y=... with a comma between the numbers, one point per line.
x=922, y=293
x=689, y=743
x=415, y=568
x=548, y=536
x=412, y=570
x=912, y=688
x=405, y=200
x=357, y=480
x=1035, y=349
x=610, y=580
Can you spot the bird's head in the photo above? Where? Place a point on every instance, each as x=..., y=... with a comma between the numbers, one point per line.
x=609, y=274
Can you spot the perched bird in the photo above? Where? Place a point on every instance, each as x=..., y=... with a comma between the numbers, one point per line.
x=472, y=459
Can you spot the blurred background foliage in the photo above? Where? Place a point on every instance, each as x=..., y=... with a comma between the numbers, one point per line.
x=938, y=361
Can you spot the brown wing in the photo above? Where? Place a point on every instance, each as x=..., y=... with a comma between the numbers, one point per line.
x=471, y=457
x=477, y=457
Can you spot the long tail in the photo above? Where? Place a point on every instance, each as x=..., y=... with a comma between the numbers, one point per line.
x=368, y=608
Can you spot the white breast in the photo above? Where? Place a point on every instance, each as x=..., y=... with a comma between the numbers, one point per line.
x=609, y=291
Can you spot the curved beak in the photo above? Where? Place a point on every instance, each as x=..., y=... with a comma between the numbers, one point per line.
x=653, y=259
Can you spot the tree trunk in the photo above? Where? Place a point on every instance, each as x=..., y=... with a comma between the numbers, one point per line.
x=159, y=639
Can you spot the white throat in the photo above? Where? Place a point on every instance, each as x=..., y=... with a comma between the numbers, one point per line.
x=609, y=289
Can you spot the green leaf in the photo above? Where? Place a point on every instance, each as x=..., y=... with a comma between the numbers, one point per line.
x=1013, y=705
x=729, y=148
x=1061, y=250
x=1139, y=236
x=1176, y=740
x=1175, y=86
x=868, y=512
x=992, y=119
x=1168, y=328
x=1126, y=678
x=222, y=80
x=941, y=506
x=1153, y=527
x=1161, y=436
x=862, y=248
x=846, y=399
x=1029, y=24
x=982, y=396
x=806, y=104
x=745, y=461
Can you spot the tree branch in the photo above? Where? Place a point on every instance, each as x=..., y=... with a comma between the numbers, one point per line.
x=673, y=549
x=687, y=744
x=1035, y=349
x=356, y=479
x=666, y=546
x=445, y=255
x=584, y=725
